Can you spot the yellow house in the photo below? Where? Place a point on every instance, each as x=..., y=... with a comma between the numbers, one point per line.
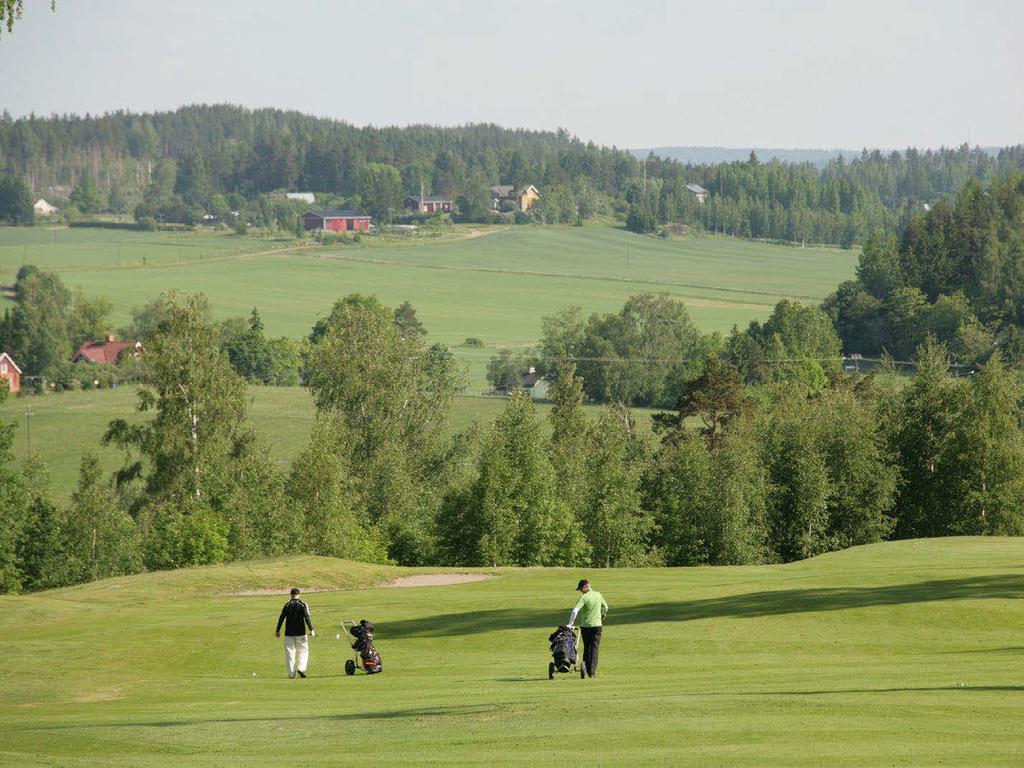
x=527, y=196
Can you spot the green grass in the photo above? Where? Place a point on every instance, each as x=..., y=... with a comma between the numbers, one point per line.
x=66, y=425
x=495, y=288
x=904, y=653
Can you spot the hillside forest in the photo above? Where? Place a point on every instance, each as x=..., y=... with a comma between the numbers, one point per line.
x=211, y=161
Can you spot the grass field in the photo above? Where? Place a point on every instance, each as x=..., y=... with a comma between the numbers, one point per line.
x=905, y=653
x=496, y=287
x=66, y=425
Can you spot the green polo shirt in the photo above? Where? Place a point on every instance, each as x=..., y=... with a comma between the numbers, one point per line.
x=590, y=606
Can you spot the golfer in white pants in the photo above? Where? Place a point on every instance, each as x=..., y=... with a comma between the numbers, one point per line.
x=295, y=617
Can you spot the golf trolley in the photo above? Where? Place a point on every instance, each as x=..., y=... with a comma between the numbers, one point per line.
x=359, y=635
x=565, y=644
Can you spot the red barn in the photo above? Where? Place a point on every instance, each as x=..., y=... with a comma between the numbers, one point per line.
x=335, y=221
x=10, y=372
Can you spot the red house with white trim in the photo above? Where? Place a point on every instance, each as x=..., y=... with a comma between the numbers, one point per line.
x=335, y=221
x=10, y=372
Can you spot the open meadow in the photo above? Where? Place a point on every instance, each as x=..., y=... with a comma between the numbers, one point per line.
x=903, y=653
x=491, y=284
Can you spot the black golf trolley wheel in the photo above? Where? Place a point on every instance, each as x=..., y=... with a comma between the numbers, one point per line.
x=350, y=667
x=551, y=670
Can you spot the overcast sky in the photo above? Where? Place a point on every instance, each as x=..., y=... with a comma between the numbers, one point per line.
x=791, y=73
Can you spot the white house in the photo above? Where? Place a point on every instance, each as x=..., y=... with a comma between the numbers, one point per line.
x=43, y=208
x=698, y=192
x=306, y=197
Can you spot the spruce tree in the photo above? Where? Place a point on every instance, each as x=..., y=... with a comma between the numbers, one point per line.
x=99, y=539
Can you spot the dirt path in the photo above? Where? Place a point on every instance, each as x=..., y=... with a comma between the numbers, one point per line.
x=475, y=233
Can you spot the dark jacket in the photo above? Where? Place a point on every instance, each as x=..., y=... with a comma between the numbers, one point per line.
x=295, y=617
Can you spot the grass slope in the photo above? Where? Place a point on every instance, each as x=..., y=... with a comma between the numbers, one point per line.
x=903, y=653
x=495, y=288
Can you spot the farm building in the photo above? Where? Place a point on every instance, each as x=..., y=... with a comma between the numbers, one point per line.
x=533, y=383
x=303, y=197
x=43, y=208
x=428, y=204
x=524, y=198
x=10, y=372
x=698, y=192
x=536, y=386
x=105, y=352
x=335, y=221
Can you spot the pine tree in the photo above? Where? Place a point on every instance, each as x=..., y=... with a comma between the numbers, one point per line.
x=99, y=539
x=570, y=439
x=614, y=523
x=514, y=515
x=984, y=456
x=41, y=552
x=927, y=413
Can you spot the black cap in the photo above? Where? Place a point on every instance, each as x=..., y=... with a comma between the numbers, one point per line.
x=295, y=590
x=583, y=583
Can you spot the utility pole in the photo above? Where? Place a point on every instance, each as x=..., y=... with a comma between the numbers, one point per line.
x=28, y=417
x=645, y=178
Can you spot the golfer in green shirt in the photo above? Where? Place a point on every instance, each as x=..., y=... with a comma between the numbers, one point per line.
x=591, y=610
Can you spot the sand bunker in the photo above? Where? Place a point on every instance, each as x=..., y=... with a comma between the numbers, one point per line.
x=419, y=580
x=436, y=579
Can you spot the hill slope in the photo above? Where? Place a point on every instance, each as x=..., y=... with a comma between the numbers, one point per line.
x=904, y=653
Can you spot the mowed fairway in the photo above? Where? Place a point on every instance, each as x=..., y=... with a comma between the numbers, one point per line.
x=904, y=653
x=495, y=287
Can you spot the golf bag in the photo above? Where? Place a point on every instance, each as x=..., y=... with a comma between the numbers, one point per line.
x=363, y=645
x=563, y=648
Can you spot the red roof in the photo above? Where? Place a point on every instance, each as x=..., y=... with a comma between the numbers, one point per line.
x=103, y=351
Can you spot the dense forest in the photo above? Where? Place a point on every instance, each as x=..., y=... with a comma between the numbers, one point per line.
x=178, y=166
x=955, y=273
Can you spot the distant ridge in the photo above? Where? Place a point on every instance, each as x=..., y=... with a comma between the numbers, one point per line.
x=711, y=155
x=707, y=155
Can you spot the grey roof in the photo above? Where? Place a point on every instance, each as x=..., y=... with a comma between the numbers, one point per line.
x=502, y=190
x=697, y=189
x=339, y=214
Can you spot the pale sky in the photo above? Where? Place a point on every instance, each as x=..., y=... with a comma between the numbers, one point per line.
x=791, y=73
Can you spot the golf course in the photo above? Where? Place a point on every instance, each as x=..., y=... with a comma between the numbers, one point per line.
x=901, y=653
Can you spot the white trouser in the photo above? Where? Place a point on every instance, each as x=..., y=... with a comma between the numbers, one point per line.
x=293, y=644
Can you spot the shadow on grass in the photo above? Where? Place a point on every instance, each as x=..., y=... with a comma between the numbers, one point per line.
x=944, y=688
x=747, y=605
x=458, y=710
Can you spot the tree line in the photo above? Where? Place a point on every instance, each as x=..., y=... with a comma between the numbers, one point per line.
x=214, y=160
x=954, y=273
x=48, y=322
x=732, y=473
x=843, y=203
